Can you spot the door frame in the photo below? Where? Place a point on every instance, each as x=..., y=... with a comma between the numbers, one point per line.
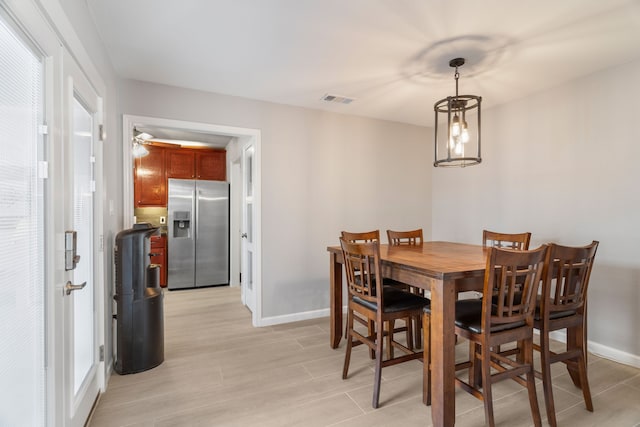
x=246, y=247
x=233, y=152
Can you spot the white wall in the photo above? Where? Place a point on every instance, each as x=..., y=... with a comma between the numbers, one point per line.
x=321, y=173
x=563, y=164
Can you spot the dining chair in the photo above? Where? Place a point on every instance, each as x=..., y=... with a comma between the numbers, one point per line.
x=513, y=279
x=368, y=297
x=374, y=236
x=410, y=238
x=563, y=306
x=365, y=236
x=400, y=238
x=517, y=241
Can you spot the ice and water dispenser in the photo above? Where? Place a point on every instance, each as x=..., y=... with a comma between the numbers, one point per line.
x=139, y=317
x=181, y=224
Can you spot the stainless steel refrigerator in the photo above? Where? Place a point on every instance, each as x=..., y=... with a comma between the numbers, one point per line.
x=198, y=233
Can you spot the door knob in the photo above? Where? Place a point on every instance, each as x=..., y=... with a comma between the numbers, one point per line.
x=243, y=235
x=70, y=287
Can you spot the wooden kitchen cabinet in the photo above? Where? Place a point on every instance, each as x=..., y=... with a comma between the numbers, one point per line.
x=152, y=171
x=211, y=164
x=181, y=164
x=159, y=256
x=150, y=180
x=188, y=163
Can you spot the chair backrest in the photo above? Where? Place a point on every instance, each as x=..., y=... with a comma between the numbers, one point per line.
x=566, y=278
x=362, y=266
x=512, y=278
x=517, y=241
x=411, y=238
x=367, y=236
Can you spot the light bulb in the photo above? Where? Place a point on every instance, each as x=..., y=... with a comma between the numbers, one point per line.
x=453, y=143
x=459, y=150
x=465, y=135
x=139, y=150
x=455, y=126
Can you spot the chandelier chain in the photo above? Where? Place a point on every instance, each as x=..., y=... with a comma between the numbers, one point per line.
x=456, y=76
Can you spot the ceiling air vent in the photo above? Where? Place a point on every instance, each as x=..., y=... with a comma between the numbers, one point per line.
x=337, y=98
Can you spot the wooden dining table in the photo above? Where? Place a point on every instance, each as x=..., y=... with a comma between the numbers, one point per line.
x=443, y=268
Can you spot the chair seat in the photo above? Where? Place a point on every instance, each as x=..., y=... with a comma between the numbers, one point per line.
x=396, y=300
x=469, y=316
x=537, y=316
x=554, y=314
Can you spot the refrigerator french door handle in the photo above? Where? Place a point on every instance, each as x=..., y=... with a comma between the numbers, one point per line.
x=196, y=210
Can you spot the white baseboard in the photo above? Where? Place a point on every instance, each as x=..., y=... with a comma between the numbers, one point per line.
x=604, y=351
x=593, y=347
x=294, y=317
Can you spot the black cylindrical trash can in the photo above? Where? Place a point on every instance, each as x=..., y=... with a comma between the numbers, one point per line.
x=139, y=317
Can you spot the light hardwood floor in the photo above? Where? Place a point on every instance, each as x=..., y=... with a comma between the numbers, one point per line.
x=220, y=371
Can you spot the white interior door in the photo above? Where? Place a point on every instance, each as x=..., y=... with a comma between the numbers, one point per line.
x=248, y=227
x=82, y=339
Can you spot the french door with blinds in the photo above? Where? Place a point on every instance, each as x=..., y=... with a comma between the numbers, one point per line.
x=22, y=257
x=51, y=264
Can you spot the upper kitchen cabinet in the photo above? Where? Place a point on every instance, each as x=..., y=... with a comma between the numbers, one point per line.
x=181, y=164
x=188, y=163
x=211, y=164
x=150, y=180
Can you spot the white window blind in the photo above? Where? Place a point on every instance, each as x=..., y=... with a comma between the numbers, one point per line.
x=22, y=339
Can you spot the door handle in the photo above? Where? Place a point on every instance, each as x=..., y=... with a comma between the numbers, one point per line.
x=243, y=235
x=70, y=287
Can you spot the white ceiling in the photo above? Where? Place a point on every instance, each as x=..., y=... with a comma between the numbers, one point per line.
x=390, y=55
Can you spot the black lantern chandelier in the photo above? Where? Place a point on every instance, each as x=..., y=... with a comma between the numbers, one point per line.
x=457, y=145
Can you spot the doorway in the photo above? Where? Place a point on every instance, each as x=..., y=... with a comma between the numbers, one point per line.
x=240, y=137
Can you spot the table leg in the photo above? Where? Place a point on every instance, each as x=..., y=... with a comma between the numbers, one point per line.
x=335, y=295
x=443, y=296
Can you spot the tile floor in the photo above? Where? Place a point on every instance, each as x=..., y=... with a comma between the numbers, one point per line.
x=220, y=371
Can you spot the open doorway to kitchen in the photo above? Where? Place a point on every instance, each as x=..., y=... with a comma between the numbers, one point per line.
x=243, y=152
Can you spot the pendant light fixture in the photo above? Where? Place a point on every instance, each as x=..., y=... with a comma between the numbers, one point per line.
x=457, y=144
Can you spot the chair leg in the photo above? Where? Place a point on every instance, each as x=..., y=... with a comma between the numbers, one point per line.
x=378, y=372
x=426, y=361
x=371, y=327
x=573, y=342
x=475, y=371
x=486, y=386
x=409, y=337
x=417, y=332
x=582, y=370
x=545, y=362
x=391, y=325
x=347, y=354
x=584, y=381
x=526, y=348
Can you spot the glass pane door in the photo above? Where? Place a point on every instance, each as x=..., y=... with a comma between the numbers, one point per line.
x=247, y=226
x=22, y=293
x=83, y=306
x=82, y=337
